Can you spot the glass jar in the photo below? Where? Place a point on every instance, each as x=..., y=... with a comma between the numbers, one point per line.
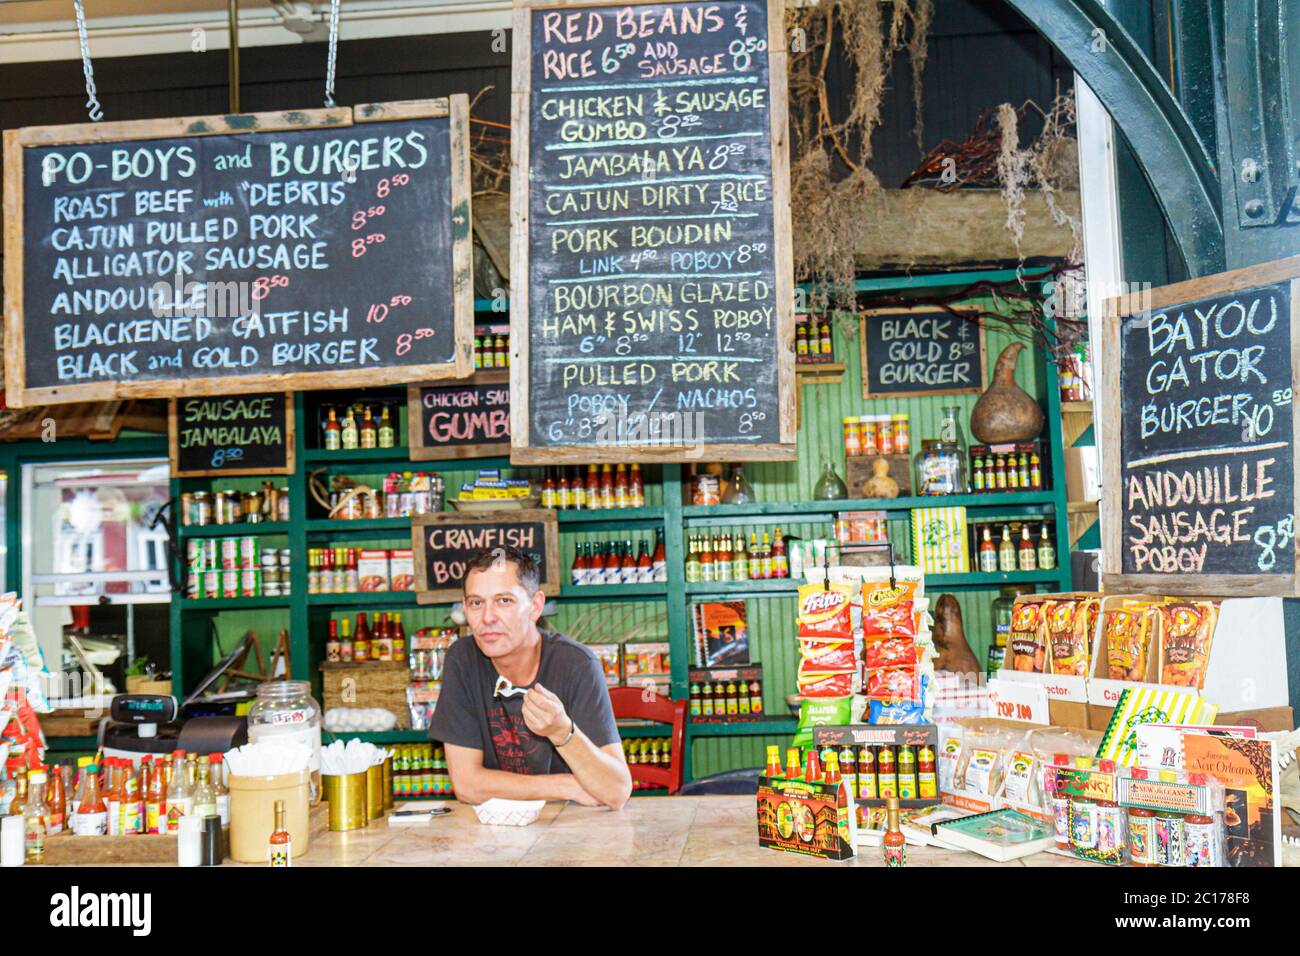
x=286, y=712
x=830, y=486
x=738, y=491
x=1002, y=606
x=939, y=469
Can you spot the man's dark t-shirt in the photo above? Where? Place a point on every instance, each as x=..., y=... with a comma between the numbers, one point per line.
x=468, y=715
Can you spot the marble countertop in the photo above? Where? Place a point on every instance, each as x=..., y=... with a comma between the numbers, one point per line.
x=648, y=831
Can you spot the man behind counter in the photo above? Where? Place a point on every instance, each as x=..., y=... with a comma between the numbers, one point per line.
x=556, y=742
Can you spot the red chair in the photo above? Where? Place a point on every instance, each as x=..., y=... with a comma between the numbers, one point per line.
x=629, y=704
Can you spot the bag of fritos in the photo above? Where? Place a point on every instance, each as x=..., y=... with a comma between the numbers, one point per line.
x=1185, y=642
x=825, y=612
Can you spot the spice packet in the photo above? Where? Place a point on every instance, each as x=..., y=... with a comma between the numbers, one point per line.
x=1185, y=642
x=1127, y=633
x=1067, y=636
x=1027, y=642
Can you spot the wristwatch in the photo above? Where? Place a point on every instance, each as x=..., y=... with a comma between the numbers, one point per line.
x=572, y=730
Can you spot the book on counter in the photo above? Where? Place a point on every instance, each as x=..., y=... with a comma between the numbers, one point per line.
x=1000, y=835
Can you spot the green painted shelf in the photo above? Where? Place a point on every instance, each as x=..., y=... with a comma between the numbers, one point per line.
x=233, y=530
x=758, y=728
x=811, y=511
x=613, y=592
x=600, y=519
x=376, y=599
x=732, y=589
x=233, y=604
x=399, y=454
x=368, y=525
x=987, y=579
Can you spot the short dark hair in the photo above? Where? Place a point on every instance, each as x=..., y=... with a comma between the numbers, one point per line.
x=526, y=566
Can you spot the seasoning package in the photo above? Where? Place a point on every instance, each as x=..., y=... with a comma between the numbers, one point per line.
x=1027, y=642
x=1185, y=642
x=1127, y=633
x=1067, y=637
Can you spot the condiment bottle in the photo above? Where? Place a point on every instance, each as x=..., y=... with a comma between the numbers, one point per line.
x=812, y=767
x=1141, y=829
x=1006, y=551
x=592, y=498
x=1109, y=822
x=179, y=798
x=755, y=559
x=780, y=564
x=645, y=567
x=279, y=847
x=620, y=486
x=927, y=784
x=906, y=773
x=793, y=765
x=832, y=774
x=1169, y=843
x=893, y=844
x=886, y=774
x=348, y=431
x=1060, y=805
x=369, y=431
x=92, y=813
x=155, y=804
x=34, y=811
x=1028, y=554
x=219, y=792
x=387, y=433
x=1046, y=552
x=361, y=643
x=988, y=552
x=332, y=642
x=346, y=647
x=636, y=487
x=56, y=805
x=398, y=636
x=773, y=760
x=660, y=558
x=755, y=697
x=867, y=784
x=706, y=699
x=333, y=436
x=548, y=490
x=1200, y=834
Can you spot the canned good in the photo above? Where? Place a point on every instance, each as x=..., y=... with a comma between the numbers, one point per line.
x=194, y=553
x=282, y=505
x=208, y=557
x=870, y=435
x=285, y=557
x=202, y=509
x=229, y=554
x=250, y=583
x=272, y=576
x=852, y=437
x=248, y=552
x=272, y=590
x=211, y=584
x=370, y=505
x=706, y=490
x=230, y=583
x=885, y=435
x=902, y=434
x=269, y=558
x=194, y=584
x=187, y=505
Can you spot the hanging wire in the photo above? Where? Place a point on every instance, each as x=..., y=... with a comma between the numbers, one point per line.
x=333, y=54
x=92, y=102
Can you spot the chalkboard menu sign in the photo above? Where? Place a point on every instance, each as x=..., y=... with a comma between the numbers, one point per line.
x=467, y=420
x=922, y=351
x=1200, y=434
x=219, y=255
x=232, y=435
x=443, y=544
x=652, y=296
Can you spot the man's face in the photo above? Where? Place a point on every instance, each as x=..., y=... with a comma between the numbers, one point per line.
x=501, y=612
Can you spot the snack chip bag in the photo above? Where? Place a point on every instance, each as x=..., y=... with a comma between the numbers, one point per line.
x=824, y=611
x=824, y=684
x=1027, y=642
x=888, y=611
x=892, y=652
x=897, y=712
x=832, y=657
x=893, y=683
x=1066, y=637
x=1127, y=631
x=816, y=713
x=1185, y=642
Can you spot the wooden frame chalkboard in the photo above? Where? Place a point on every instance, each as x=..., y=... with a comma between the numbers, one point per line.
x=454, y=109
x=868, y=391
x=545, y=517
x=419, y=443
x=781, y=357
x=174, y=451
x=1283, y=575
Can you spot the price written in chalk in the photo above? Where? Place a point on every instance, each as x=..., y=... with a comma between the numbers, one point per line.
x=224, y=456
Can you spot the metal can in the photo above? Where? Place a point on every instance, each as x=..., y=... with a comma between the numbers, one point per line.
x=248, y=552
x=187, y=505
x=194, y=553
x=370, y=504
x=870, y=435
x=852, y=436
x=211, y=584
x=885, y=435
x=250, y=582
x=270, y=558
x=230, y=584
x=193, y=584
x=209, y=554
x=706, y=490
x=229, y=554
x=285, y=557
x=201, y=503
x=902, y=434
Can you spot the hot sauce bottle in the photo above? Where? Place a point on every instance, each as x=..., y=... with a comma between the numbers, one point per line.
x=1169, y=844
x=398, y=635
x=1141, y=830
x=780, y=564
x=894, y=844
x=867, y=788
x=906, y=773
x=636, y=487
x=812, y=768
x=793, y=767
x=332, y=642
x=155, y=803
x=92, y=813
x=886, y=773
x=1200, y=841
x=592, y=497
x=333, y=433
x=988, y=552
x=548, y=490
x=346, y=647
x=1028, y=553
x=755, y=697
x=361, y=643
x=849, y=768
x=279, y=847
x=926, y=781
x=773, y=760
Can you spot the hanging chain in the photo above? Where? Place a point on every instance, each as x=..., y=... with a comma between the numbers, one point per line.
x=333, y=54
x=92, y=102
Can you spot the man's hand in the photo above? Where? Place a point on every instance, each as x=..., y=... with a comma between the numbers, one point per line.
x=544, y=714
x=581, y=796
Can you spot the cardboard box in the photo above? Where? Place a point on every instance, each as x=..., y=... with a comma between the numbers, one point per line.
x=939, y=540
x=372, y=570
x=811, y=819
x=401, y=569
